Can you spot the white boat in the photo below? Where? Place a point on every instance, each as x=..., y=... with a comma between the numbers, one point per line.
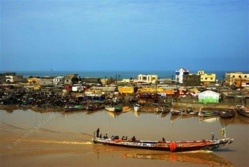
x=137, y=107
x=110, y=108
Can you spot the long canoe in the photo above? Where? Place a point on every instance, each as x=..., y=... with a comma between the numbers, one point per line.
x=173, y=146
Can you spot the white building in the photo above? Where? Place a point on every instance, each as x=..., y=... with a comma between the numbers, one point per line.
x=147, y=78
x=58, y=80
x=180, y=73
x=11, y=78
x=208, y=96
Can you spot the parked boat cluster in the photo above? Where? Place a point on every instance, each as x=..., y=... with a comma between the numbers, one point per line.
x=205, y=113
x=112, y=101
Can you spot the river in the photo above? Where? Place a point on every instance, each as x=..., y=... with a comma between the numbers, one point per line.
x=30, y=138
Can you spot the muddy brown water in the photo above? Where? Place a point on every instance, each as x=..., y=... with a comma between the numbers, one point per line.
x=30, y=138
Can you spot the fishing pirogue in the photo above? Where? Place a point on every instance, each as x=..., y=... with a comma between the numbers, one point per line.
x=173, y=146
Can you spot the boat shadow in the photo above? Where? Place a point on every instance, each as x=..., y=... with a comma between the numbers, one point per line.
x=200, y=157
x=223, y=150
x=197, y=157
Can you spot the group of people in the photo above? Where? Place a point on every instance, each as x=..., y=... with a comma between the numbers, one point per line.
x=132, y=139
x=117, y=137
x=99, y=135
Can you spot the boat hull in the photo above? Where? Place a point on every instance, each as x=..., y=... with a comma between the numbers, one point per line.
x=242, y=110
x=178, y=146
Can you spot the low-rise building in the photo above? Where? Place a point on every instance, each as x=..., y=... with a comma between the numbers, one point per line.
x=71, y=79
x=91, y=81
x=180, y=73
x=33, y=80
x=209, y=96
x=206, y=78
x=46, y=81
x=11, y=77
x=191, y=80
x=58, y=80
x=238, y=79
x=147, y=78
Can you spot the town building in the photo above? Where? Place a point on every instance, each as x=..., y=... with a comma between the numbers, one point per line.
x=13, y=78
x=10, y=77
x=180, y=73
x=46, y=81
x=33, y=80
x=238, y=79
x=209, y=96
x=191, y=80
x=206, y=78
x=147, y=78
x=58, y=80
x=91, y=81
x=71, y=79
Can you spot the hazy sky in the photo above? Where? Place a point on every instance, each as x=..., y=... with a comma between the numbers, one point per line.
x=124, y=35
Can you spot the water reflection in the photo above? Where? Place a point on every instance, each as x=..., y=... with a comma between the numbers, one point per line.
x=113, y=114
x=163, y=115
x=173, y=117
x=242, y=120
x=202, y=158
x=238, y=119
x=136, y=113
x=227, y=121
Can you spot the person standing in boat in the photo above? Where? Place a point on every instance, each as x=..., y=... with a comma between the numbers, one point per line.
x=97, y=132
x=212, y=136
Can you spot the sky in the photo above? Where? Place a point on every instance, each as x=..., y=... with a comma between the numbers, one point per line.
x=124, y=35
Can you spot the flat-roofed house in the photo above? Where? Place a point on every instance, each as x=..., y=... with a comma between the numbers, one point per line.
x=238, y=79
x=147, y=78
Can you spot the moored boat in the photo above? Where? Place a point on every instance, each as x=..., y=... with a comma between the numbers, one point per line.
x=95, y=106
x=205, y=113
x=175, y=112
x=228, y=113
x=73, y=108
x=110, y=108
x=115, y=108
x=136, y=107
x=173, y=146
x=242, y=110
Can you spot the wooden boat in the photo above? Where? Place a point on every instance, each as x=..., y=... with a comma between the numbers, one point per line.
x=242, y=110
x=126, y=108
x=203, y=113
x=110, y=108
x=68, y=108
x=116, y=108
x=165, y=110
x=228, y=113
x=173, y=146
x=136, y=107
x=175, y=112
x=95, y=106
